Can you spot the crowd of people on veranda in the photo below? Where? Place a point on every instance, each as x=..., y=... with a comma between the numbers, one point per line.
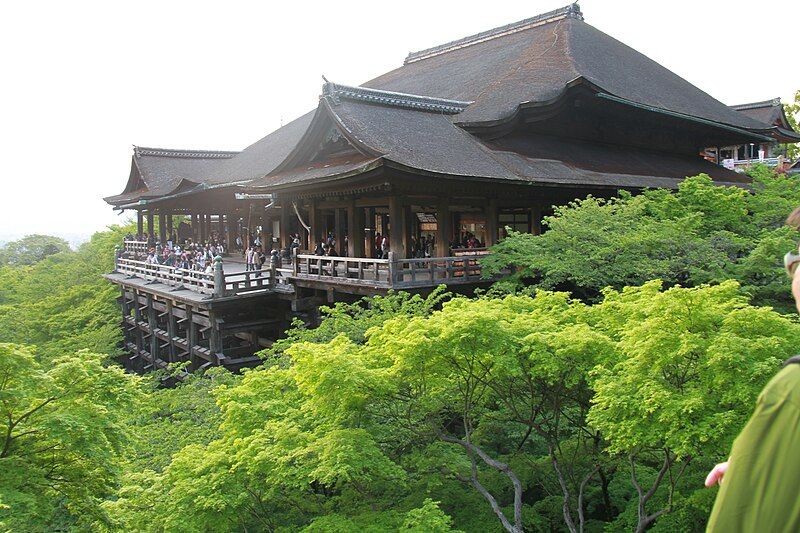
x=188, y=254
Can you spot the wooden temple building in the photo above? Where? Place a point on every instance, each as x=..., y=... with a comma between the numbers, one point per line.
x=771, y=153
x=467, y=138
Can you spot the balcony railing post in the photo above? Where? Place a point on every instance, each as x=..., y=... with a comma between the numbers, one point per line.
x=273, y=273
x=294, y=261
x=391, y=268
x=219, y=277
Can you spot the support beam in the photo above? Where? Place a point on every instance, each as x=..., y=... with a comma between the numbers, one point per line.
x=444, y=230
x=355, y=230
x=214, y=336
x=265, y=229
x=207, y=225
x=491, y=222
x=232, y=220
x=339, y=216
x=170, y=229
x=397, y=222
x=152, y=324
x=150, y=228
x=315, y=221
x=221, y=225
x=162, y=227
x=286, y=214
x=536, y=219
x=195, y=228
x=369, y=234
x=201, y=221
x=171, y=332
x=139, y=223
x=191, y=337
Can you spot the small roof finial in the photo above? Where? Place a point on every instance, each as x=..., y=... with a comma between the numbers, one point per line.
x=325, y=79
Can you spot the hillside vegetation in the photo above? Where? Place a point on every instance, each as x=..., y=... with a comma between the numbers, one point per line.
x=591, y=391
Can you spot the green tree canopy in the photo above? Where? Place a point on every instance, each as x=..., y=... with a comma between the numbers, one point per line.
x=31, y=249
x=61, y=433
x=700, y=233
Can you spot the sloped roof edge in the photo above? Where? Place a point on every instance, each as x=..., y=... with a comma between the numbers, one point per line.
x=377, y=96
x=572, y=10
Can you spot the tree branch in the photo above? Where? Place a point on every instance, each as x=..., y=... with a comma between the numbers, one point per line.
x=499, y=466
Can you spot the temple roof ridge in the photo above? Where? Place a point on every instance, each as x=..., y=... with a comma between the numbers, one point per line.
x=336, y=92
x=755, y=105
x=572, y=11
x=182, y=153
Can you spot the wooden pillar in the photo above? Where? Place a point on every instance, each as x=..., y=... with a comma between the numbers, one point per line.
x=286, y=213
x=536, y=219
x=369, y=240
x=214, y=337
x=171, y=328
x=201, y=222
x=232, y=220
x=152, y=324
x=195, y=228
x=315, y=221
x=162, y=227
x=139, y=334
x=397, y=222
x=221, y=226
x=355, y=230
x=170, y=229
x=150, y=228
x=207, y=224
x=444, y=230
x=264, y=229
x=139, y=223
x=491, y=222
x=339, y=217
x=191, y=337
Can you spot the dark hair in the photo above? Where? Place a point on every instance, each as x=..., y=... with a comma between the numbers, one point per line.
x=793, y=219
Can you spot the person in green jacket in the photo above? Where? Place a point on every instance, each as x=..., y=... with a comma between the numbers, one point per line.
x=760, y=482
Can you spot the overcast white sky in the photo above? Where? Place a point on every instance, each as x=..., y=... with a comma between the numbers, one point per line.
x=82, y=81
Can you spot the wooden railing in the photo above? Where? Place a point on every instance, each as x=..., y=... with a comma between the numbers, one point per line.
x=387, y=273
x=136, y=247
x=244, y=282
x=391, y=272
x=174, y=277
x=345, y=269
x=428, y=271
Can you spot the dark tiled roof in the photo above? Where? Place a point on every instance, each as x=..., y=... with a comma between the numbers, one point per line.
x=536, y=63
x=165, y=170
x=769, y=111
x=338, y=92
x=430, y=142
x=326, y=169
x=410, y=116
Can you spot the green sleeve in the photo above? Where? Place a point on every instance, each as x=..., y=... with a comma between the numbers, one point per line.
x=761, y=489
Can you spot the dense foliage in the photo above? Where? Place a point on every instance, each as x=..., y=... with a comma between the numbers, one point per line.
x=699, y=234
x=792, y=111
x=527, y=408
x=31, y=249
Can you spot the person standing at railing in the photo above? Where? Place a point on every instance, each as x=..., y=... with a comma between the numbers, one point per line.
x=384, y=247
x=260, y=259
x=249, y=258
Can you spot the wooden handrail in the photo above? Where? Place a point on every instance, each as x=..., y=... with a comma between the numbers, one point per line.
x=388, y=273
x=135, y=246
x=175, y=277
